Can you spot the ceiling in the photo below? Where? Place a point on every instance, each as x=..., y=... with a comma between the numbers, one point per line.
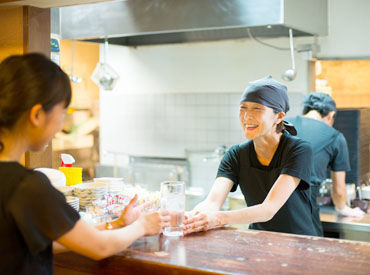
x=48, y=3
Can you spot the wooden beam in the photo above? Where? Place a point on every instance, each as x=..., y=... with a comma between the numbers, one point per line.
x=312, y=76
x=36, y=38
x=11, y=31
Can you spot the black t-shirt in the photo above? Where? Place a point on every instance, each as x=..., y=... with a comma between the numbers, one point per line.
x=32, y=214
x=292, y=157
x=329, y=146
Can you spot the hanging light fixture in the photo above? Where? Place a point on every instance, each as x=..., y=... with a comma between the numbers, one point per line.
x=104, y=75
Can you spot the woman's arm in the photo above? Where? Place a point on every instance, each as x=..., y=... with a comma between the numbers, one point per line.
x=128, y=216
x=87, y=240
x=58, y=248
x=280, y=192
x=216, y=196
x=276, y=198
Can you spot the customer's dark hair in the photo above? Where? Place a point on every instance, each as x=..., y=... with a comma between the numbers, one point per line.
x=27, y=80
x=320, y=102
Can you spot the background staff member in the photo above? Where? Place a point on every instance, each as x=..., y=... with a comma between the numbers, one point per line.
x=330, y=151
x=34, y=217
x=273, y=170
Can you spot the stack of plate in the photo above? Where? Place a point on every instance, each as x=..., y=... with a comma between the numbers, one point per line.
x=89, y=192
x=115, y=185
x=66, y=190
x=74, y=202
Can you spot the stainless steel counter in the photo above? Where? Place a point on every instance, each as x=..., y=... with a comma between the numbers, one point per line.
x=344, y=227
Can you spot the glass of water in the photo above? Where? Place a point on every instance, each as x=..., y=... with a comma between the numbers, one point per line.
x=173, y=200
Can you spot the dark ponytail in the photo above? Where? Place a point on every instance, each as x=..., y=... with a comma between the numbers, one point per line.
x=27, y=80
x=319, y=102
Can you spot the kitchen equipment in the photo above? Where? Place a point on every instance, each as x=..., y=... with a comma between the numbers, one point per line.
x=365, y=192
x=359, y=202
x=137, y=22
x=72, y=77
x=324, y=197
x=290, y=74
x=351, y=192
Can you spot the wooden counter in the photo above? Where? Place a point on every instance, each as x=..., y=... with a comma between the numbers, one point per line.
x=349, y=228
x=227, y=250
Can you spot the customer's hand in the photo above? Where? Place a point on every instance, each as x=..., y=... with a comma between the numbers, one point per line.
x=201, y=221
x=131, y=212
x=153, y=223
x=351, y=212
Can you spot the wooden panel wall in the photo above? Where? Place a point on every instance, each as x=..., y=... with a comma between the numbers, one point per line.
x=347, y=81
x=11, y=31
x=86, y=56
x=24, y=30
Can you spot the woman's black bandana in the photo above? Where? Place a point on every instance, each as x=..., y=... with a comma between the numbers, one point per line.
x=270, y=93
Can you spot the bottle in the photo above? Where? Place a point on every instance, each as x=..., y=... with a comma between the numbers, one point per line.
x=67, y=160
x=73, y=174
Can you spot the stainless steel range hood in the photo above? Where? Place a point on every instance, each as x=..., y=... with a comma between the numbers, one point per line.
x=146, y=22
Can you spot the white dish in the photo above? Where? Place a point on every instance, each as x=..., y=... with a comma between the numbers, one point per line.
x=56, y=177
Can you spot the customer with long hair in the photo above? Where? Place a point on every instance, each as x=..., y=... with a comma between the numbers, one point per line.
x=35, y=219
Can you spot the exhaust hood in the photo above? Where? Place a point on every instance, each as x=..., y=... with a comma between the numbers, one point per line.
x=148, y=22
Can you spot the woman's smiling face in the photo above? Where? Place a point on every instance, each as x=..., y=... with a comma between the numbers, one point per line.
x=257, y=120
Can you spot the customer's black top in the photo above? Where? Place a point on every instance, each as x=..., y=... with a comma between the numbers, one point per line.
x=32, y=214
x=292, y=157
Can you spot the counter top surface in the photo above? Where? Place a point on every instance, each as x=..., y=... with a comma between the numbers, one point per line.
x=328, y=214
x=227, y=250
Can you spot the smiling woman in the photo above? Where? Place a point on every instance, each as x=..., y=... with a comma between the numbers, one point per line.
x=256, y=119
x=272, y=169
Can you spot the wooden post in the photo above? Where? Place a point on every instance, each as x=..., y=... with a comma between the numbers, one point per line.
x=312, y=76
x=36, y=33
x=24, y=30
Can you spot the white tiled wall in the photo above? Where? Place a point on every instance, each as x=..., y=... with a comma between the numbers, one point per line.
x=169, y=125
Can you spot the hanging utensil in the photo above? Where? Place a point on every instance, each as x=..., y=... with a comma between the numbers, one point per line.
x=72, y=77
x=290, y=74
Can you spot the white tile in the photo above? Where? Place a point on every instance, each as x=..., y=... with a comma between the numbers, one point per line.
x=212, y=99
x=201, y=99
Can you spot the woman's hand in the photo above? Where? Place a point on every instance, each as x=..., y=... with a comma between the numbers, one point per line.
x=153, y=223
x=131, y=213
x=201, y=221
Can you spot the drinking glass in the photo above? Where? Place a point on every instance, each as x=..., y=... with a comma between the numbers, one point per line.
x=173, y=200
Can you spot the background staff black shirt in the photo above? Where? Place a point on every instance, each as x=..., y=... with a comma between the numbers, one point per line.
x=330, y=152
x=329, y=146
x=292, y=157
x=32, y=214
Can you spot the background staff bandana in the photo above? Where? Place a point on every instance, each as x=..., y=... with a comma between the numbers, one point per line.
x=270, y=93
